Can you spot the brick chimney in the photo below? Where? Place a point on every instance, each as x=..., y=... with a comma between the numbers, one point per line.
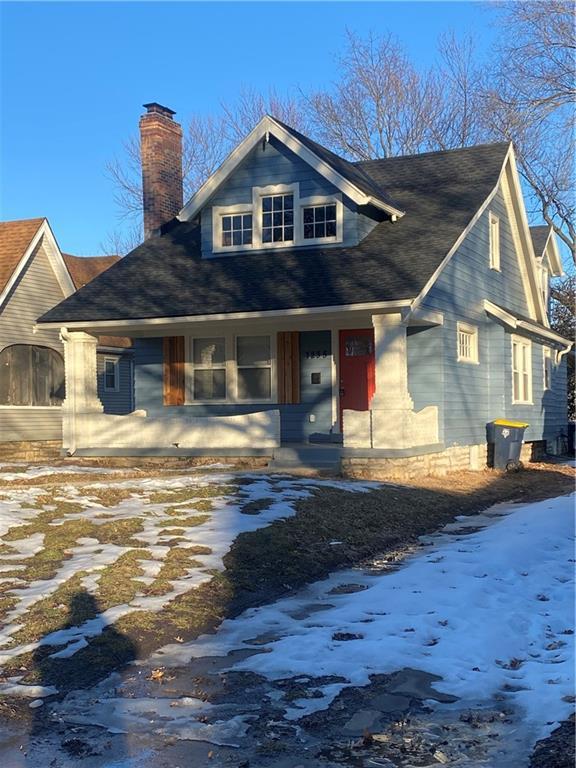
x=161, y=154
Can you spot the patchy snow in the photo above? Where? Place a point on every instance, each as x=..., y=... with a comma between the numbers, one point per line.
x=224, y=523
x=488, y=613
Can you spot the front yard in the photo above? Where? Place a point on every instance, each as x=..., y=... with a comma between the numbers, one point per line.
x=101, y=566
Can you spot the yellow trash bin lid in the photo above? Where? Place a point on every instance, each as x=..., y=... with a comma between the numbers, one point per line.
x=510, y=423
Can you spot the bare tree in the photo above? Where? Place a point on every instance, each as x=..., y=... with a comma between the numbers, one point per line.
x=531, y=102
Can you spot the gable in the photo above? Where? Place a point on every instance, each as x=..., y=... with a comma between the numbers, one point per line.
x=468, y=278
x=272, y=166
x=15, y=237
x=35, y=291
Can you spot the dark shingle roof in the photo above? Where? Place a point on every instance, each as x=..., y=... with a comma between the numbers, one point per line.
x=539, y=237
x=166, y=276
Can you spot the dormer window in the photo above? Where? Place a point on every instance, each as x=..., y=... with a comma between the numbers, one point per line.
x=319, y=221
x=237, y=230
x=277, y=218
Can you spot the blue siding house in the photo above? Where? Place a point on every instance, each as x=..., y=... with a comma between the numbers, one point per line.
x=385, y=310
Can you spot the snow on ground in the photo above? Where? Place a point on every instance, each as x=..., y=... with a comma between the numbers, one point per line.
x=488, y=612
x=224, y=523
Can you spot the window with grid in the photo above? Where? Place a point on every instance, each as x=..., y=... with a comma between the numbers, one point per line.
x=319, y=221
x=209, y=368
x=254, y=367
x=521, y=371
x=548, y=363
x=237, y=230
x=277, y=218
x=467, y=343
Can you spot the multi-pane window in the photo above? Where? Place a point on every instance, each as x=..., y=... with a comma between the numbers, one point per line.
x=521, y=371
x=31, y=375
x=277, y=218
x=209, y=368
x=237, y=230
x=319, y=221
x=467, y=343
x=254, y=367
x=111, y=378
x=494, y=241
x=548, y=363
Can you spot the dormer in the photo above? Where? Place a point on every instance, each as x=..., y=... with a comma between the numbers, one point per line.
x=279, y=190
x=548, y=258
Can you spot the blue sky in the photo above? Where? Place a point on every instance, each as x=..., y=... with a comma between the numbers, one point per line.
x=73, y=77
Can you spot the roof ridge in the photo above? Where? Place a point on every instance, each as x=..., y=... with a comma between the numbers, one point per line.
x=431, y=152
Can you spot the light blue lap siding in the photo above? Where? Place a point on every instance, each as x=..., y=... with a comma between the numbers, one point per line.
x=276, y=164
x=476, y=394
x=426, y=370
x=116, y=402
x=295, y=419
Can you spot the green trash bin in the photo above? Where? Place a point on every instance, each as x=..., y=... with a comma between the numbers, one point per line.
x=505, y=438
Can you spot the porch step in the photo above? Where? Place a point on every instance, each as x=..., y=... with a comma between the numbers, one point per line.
x=304, y=457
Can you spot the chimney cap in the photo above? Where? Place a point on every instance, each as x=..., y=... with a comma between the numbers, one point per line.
x=154, y=107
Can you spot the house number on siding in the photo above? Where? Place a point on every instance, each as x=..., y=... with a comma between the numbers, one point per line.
x=312, y=355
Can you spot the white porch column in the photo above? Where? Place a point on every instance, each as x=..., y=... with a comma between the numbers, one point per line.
x=391, y=364
x=81, y=386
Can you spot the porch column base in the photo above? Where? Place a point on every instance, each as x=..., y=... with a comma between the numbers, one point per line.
x=391, y=428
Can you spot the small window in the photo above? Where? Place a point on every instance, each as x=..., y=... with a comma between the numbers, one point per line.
x=254, y=365
x=548, y=367
x=521, y=370
x=237, y=230
x=111, y=374
x=467, y=343
x=494, y=242
x=209, y=369
x=277, y=218
x=319, y=221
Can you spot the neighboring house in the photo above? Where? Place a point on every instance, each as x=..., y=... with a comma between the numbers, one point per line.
x=393, y=307
x=34, y=276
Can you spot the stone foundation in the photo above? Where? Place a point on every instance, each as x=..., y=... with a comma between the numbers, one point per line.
x=454, y=459
x=30, y=450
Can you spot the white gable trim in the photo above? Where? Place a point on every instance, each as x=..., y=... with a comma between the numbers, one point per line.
x=516, y=324
x=509, y=180
x=261, y=132
x=551, y=251
x=54, y=257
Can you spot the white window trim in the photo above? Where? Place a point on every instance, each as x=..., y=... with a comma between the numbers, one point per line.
x=116, y=362
x=273, y=384
x=494, y=224
x=472, y=330
x=231, y=369
x=545, y=285
x=274, y=189
x=527, y=343
x=547, y=355
x=322, y=200
x=218, y=211
x=255, y=208
x=189, y=368
x=29, y=407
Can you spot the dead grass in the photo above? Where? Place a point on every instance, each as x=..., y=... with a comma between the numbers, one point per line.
x=176, y=564
x=110, y=496
x=118, y=582
x=181, y=495
x=265, y=564
x=187, y=522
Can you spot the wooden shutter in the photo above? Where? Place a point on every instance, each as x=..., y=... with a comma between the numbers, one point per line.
x=288, y=353
x=174, y=383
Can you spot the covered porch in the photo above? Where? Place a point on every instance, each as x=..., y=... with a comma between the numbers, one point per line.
x=253, y=385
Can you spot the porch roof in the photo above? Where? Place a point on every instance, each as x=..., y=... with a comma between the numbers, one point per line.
x=166, y=276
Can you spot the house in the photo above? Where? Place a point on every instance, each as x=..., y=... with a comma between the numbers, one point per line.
x=34, y=276
x=386, y=310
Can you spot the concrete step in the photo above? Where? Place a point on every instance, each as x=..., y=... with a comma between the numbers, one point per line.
x=304, y=457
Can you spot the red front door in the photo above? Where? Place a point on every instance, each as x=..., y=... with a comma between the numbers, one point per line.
x=357, y=383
